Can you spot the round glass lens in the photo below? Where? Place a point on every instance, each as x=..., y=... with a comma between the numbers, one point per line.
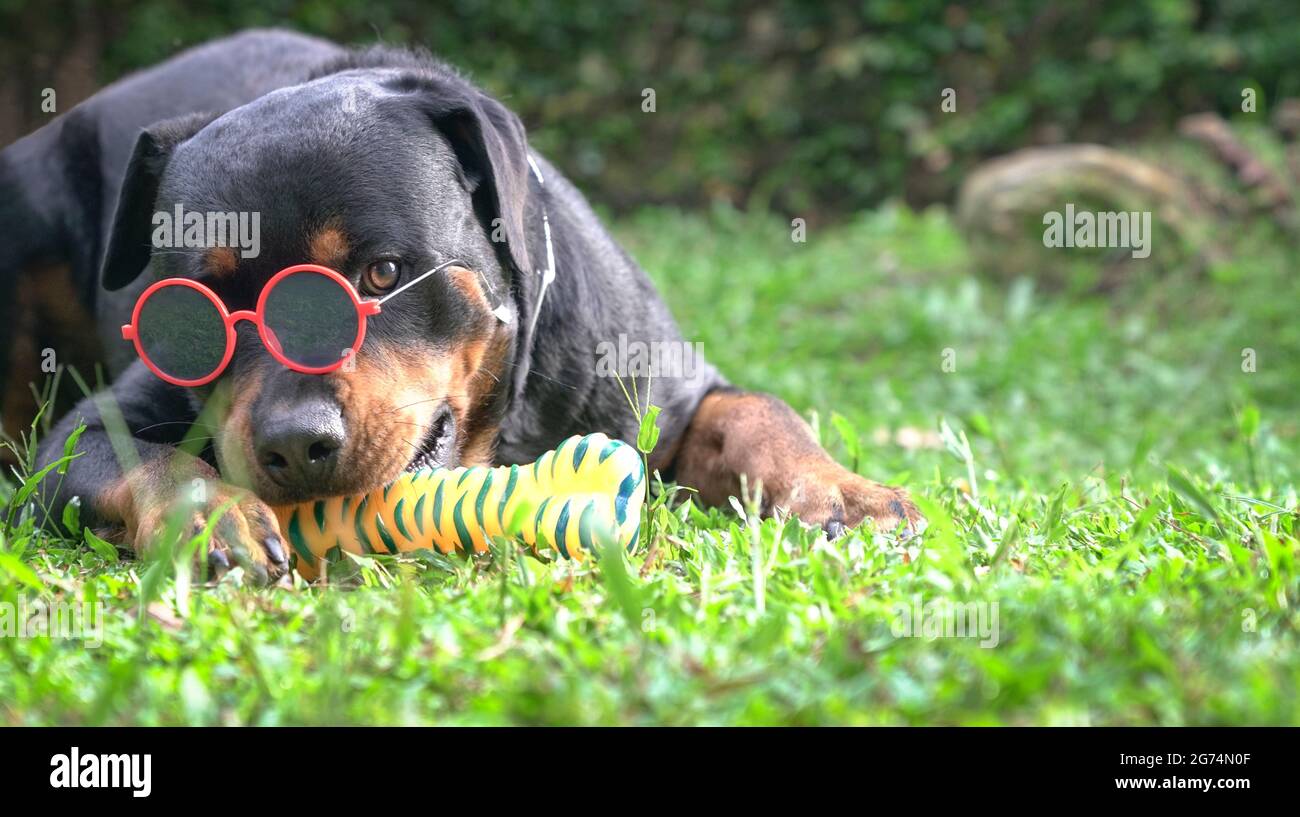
x=312, y=318
x=182, y=332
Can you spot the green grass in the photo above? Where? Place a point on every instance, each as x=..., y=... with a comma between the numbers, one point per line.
x=1101, y=469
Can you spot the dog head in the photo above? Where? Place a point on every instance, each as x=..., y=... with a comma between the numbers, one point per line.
x=381, y=168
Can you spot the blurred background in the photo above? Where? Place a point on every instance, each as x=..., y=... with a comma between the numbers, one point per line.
x=809, y=108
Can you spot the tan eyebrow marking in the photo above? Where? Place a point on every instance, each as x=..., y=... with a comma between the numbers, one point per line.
x=329, y=246
x=221, y=261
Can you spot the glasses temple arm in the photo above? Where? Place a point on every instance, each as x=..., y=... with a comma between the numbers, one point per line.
x=417, y=279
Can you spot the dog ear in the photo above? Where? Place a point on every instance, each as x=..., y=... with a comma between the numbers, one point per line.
x=128, y=242
x=492, y=150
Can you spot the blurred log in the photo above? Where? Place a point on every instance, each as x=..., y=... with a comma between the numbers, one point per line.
x=1001, y=206
x=998, y=191
x=1211, y=130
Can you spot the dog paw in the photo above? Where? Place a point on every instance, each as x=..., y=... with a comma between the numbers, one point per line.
x=245, y=532
x=889, y=508
x=837, y=500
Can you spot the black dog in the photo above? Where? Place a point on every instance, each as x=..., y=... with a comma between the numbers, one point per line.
x=381, y=164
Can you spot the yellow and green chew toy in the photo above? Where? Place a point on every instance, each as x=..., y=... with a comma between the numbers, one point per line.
x=571, y=498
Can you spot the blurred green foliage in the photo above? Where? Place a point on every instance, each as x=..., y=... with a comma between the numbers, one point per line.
x=801, y=107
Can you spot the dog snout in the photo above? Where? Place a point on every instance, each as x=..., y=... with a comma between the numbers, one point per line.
x=299, y=446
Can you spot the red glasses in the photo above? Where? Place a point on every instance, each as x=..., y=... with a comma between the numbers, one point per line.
x=309, y=317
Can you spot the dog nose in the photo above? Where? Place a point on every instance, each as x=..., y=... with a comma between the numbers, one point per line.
x=299, y=447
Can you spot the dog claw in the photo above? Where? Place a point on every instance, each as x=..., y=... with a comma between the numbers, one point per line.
x=217, y=559
x=275, y=551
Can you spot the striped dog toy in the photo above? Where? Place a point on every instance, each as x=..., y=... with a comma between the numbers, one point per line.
x=588, y=489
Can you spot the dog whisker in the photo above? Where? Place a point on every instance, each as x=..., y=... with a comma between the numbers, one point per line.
x=204, y=426
x=444, y=396
x=535, y=373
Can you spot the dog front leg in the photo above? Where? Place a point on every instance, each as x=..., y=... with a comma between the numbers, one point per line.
x=736, y=432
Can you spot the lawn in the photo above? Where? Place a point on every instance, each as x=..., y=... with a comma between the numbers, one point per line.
x=1103, y=479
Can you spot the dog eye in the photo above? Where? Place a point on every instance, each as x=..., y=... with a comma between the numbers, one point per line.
x=380, y=277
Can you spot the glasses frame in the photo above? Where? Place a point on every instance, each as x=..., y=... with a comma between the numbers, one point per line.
x=364, y=309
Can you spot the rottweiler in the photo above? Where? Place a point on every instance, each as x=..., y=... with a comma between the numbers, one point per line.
x=381, y=164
